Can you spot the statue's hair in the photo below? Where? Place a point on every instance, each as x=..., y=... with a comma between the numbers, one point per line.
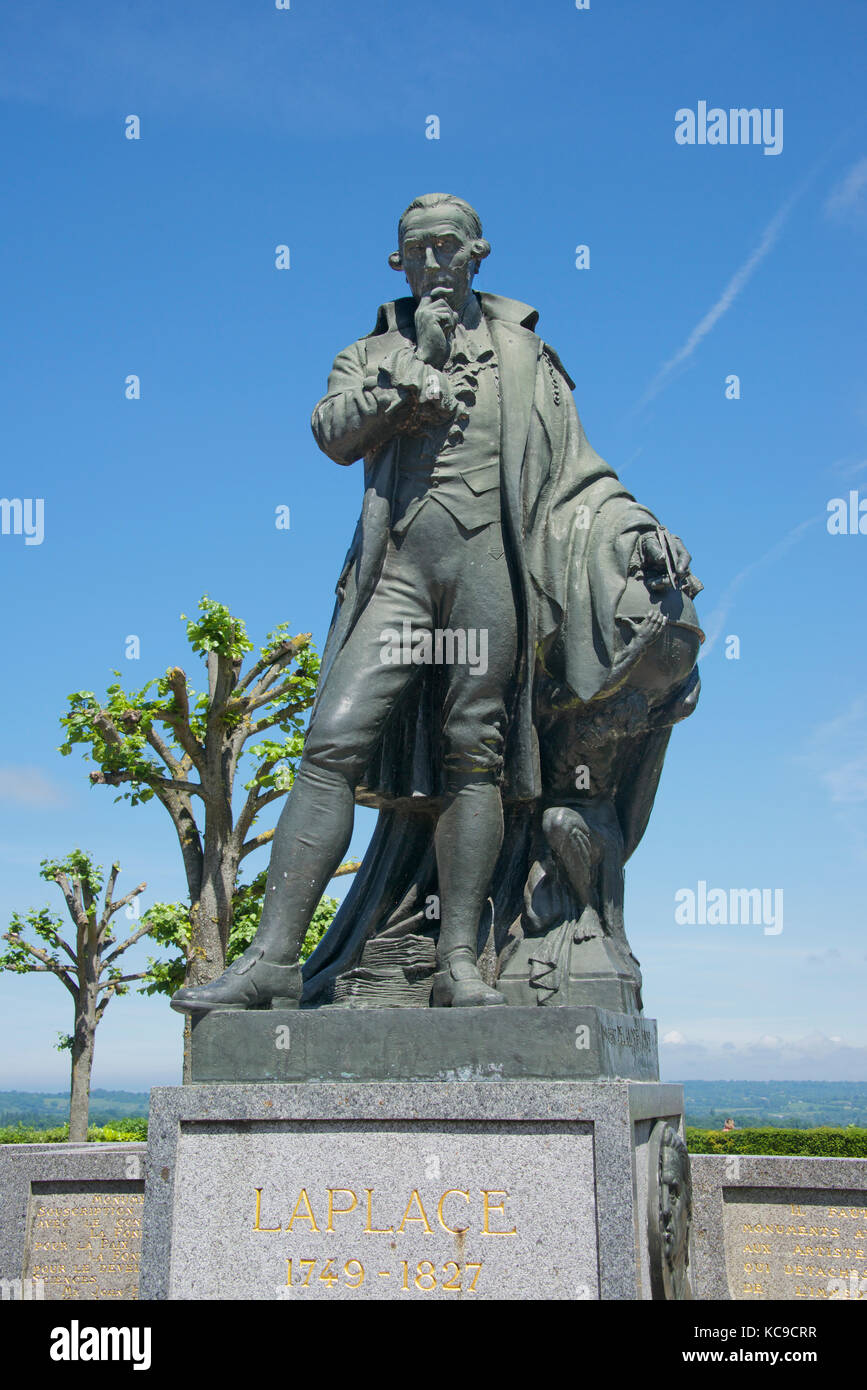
x=432, y=200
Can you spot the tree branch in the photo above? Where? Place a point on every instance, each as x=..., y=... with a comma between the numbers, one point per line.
x=111, y=990
x=110, y=733
x=253, y=804
x=124, y=946
x=72, y=895
x=276, y=658
x=112, y=908
x=67, y=948
x=109, y=893
x=256, y=843
x=180, y=721
x=103, y=721
x=160, y=746
x=54, y=966
x=222, y=673
x=279, y=718
x=111, y=985
x=246, y=819
x=153, y=780
x=111, y=779
x=189, y=839
x=179, y=785
x=254, y=701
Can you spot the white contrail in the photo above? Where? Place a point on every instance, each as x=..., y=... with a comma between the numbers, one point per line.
x=848, y=195
x=725, y=301
x=713, y=624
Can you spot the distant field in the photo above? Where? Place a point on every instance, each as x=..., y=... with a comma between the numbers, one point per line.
x=751, y=1104
x=776, y=1104
x=44, y=1111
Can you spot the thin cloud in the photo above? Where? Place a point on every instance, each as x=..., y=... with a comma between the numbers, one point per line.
x=766, y=243
x=829, y=957
x=849, y=198
x=734, y=287
x=632, y=458
x=816, y=1057
x=834, y=754
x=27, y=786
x=713, y=623
x=846, y=467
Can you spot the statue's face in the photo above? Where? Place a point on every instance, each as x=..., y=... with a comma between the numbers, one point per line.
x=674, y=1204
x=437, y=249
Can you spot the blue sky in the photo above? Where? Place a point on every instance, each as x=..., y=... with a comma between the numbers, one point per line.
x=306, y=127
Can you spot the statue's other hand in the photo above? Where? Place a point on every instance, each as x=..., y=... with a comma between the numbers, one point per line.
x=417, y=401
x=665, y=561
x=436, y=402
x=431, y=403
x=647, y=630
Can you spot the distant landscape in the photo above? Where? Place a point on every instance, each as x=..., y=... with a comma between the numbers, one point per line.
x=45, y=1110
x=751, y=1104
x=780, y=1104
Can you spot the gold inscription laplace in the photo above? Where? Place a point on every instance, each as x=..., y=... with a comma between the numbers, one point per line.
x=256, y=1225
x=453, y=1230
x=422, y=1216
x=492, y=1207
x=339, y=1211
x=370, y=1229
x=486, y=1214
x=303, y=1212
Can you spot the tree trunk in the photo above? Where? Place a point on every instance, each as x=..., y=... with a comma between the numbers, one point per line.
x=82, y=1065
x=211, y=916
x=210, y=924
x=187, y=1074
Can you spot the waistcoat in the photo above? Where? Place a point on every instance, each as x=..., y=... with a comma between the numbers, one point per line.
x=457, y=464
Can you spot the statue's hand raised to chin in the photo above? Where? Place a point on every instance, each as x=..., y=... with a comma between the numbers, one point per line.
x=435, y=322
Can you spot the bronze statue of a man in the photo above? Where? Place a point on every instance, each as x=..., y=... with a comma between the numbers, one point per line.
x=492, y=541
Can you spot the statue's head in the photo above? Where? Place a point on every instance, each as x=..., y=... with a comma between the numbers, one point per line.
x=675, y=1188
x=440, y=243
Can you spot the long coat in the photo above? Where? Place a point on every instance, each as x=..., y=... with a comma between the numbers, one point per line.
x=571, y=530
x=569, y=525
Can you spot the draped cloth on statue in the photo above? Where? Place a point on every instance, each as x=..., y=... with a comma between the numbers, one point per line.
x=571, y=530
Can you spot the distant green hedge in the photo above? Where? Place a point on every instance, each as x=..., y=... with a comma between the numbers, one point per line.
x=119, y=1131
x=819, y=1143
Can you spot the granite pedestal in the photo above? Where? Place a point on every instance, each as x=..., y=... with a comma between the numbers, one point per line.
x=440, y=1162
